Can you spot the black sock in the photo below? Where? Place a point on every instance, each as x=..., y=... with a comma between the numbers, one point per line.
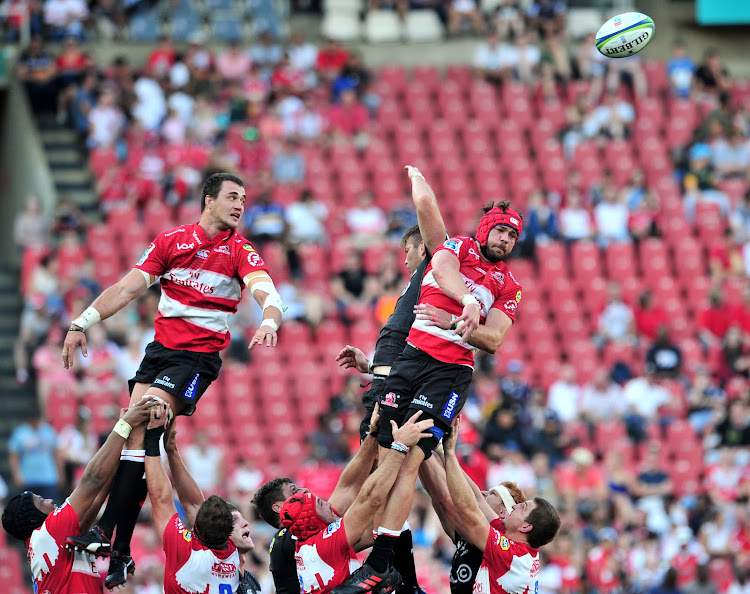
x=125, y=500
x=382, y=552
x=403, y=561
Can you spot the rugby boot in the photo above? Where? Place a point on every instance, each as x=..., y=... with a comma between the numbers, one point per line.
x=368, y=581
x=94, y=542
x=120, y=567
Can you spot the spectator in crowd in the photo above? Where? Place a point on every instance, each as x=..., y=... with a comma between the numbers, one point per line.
x=366, y=222
x=352, y=286
x=564, y=396
x=503, y=429
x=34, y=327
x=702, y=583
x=652, y=487
x=492, y=60
x=643, y=396
x=242, y=483
x=611, y=217
x=645, y=219
x=731, y=156
x=331, y=59
x=303, y=56
x=266, y=53
x=740, y=218
x=525, y=58
x=78, y=444
x=66, y=18
x=575, y=221
x=714, y=320
x=31, y=227
x=734, y=429
x=264, y=221
x=462, y=11
x=509, y=462
x=711, y=77
x=540, y=224
x=355, y=76
x=612, y=119
x=580, y=482
x=306, y=220
x=35, y=458
x=725, y=257
x=705, y=400
x=401, y=217
x=648, y=316
x=547, y=17
x=289, y=164
x=37, y=71
x=507, y=19
x=601, y=399
x=680, y=70
x=233, y=63
x=616, y=322
x=664, y=356
x=205, y=462
x=349, y=120
x=106, y=121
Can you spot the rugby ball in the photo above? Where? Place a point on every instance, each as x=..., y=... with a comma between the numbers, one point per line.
x=625, y=35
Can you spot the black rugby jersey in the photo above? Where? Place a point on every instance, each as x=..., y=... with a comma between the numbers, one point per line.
x=466, y=562
x=283, y=566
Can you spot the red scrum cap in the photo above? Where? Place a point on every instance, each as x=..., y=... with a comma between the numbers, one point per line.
x=300, y=515
x=497, y=216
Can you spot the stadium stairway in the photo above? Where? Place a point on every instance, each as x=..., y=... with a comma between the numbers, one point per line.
x=15, y=401
x=69, y=165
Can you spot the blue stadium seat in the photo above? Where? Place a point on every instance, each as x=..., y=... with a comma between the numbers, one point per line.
x=184, y=24
x=145, y=27
x=226, y=26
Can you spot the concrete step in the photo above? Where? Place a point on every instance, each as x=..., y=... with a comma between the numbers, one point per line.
x=66, y=158
x=58, y=137
x=77, y=177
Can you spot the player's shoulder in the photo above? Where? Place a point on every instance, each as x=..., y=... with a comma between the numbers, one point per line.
x=175, y=529
x=177, y=233
x=458, y=243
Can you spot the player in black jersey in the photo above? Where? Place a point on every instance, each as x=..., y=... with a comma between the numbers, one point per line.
x=494, y=503
x=418, y=243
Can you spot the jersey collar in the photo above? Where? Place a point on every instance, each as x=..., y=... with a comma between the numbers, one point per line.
x=218, y=238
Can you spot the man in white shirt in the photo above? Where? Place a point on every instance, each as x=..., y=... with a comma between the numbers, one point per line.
x=564, y=395
x=493, y=60
x=65, y=17
x=612, y=118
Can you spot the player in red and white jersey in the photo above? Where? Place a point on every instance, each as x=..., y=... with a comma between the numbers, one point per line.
x=510, y=545
x=204, y=560
x=44, y=527
x=467, y=278
x=325, y=552
x=203, y=269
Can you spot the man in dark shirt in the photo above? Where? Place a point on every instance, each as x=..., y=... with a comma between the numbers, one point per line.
x=36, y=68
x=734, y=430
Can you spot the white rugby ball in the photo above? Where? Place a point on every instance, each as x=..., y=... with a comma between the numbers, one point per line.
x=625, y=35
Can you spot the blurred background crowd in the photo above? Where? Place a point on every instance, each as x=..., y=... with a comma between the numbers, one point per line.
x=622, y=394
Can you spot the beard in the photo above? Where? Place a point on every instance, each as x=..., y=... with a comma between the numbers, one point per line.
x=492, y=257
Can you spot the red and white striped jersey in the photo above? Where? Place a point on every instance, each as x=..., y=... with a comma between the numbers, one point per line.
x=492, y=284
x=192, y=568
x=56, y=569
x=508, y=567
x=325, y=560
x=201, y=282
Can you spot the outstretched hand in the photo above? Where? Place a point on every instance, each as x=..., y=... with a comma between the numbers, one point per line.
x=433, y=316
x=451, y=437
x=412, y=431
x=467, y=322
x=263, y=334
x=139, y=413
x=159, y=416
x=353, y=357
x=73, y=340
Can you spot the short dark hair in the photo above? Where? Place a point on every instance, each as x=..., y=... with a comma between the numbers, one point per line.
x=413, y=235
x=214, y=522
x=268, y=494
x=503, y=205
x=545, y=521
x=212, y=185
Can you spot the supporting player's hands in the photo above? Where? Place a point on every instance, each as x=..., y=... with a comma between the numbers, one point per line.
x=138, y=414
x=451, y=437
x=412, y=431
x=375, y=419
x=352, y=357
x=434, y=316
x=72, y=341
x=170, y=437
x=159, y=416
x=468, y=321
x=263, y=334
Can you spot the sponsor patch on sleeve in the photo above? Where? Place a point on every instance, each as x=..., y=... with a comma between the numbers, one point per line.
x=504, y=544
x=453, y=245
x=248, y=247
x=518, y=297
x=145, y=254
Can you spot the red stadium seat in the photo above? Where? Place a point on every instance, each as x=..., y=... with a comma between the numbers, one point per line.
x=656, y=76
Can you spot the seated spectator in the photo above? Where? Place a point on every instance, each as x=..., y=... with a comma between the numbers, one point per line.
x=702, y=583
x=349, y=120
x=303, y=56
x=723, y=481
x=602, y=563
x=100, y=367
x=66, y=18
x=575, y=221
x=601, y=399
x=110, y=19
x=648, y=316
x=726, y=258
x=711, y=77
x=643, y=397
x=264, y=220
x=304, y=305
x=401, y=6
x=286, y=78
x=205, y=462
x=243, y=482
x=740, y=218
x=714, y=320
x=50, y=377
x=289, y=164
x=611, y=217
x=550, y=439
x=705, y=400
x=664, y=356
x=34, y=457
x=150, y=107
x=37, y=71
x=644, y=220
x=591, y=66
x=331, y=59
x=680, y=70
x=352, y=286
x=205, y=123
x=735, y=355
x=106, y=121
x=616, y=322
x=306, y=220
x=731, y=157
x=354, y=76
x=462, y=11
x=564, y=395
x=581, y=482
x=161, y=59
x=234, y=63
x=652, y=487
x=547, y=17
x=700, y=182
x=72, y=63
x=524, y=59
x=266, y=53
x=733, y=430
x=611, y=119
x=492, y=60
x=540, y=224
x=503, y=429
x=508, y=19
x=627, y=70
x=32, y=227
x=366, y=222
x=198, y=58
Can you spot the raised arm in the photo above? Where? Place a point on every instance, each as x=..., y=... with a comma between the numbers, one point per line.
x=356, y=472
x=112, y=300
x=159, y=487
x=99, y=472
x=372, y=497
x=475, y=527
x=431, y=225
x=188, y=492
x=265, y=294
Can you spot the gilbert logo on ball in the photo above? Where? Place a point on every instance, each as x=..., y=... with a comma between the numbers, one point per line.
x=625, y=34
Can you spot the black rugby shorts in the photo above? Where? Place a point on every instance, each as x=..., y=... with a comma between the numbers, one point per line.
x=184, y=374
